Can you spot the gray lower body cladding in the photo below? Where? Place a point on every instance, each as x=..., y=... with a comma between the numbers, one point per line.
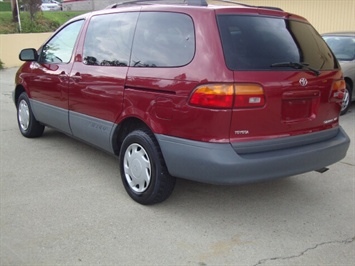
x=221, y=164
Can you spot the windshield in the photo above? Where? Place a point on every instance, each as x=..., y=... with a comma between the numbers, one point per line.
x=343, y=47
x=258, y=43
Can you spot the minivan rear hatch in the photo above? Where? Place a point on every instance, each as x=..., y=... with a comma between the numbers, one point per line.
x=287, y=81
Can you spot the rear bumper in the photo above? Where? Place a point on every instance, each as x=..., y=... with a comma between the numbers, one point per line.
x=220, y=164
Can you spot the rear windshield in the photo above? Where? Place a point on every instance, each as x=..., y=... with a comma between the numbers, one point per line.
x=257, y=43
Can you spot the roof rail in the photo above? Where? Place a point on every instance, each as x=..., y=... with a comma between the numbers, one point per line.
x=271, y=7
x=152, y=2
x=242, y=4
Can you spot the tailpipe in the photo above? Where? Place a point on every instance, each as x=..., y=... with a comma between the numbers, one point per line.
x=322, y=170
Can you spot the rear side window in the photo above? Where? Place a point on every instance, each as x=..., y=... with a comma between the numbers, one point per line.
x=255, y=43
x=163, y=39
x=108, y=39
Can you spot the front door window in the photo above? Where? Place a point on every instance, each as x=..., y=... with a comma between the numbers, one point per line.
x=60, y=48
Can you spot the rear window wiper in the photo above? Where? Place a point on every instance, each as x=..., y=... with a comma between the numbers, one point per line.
x=297, y=66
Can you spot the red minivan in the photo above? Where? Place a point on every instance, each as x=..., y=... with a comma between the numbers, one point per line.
x=216, y=94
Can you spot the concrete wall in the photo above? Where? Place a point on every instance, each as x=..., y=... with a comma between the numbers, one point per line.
x=87, y=5
x=12, y=44
x=78, y=5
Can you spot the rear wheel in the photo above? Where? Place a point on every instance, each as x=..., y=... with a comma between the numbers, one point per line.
x=347, y=100
x=27, y=123
x=143, y=171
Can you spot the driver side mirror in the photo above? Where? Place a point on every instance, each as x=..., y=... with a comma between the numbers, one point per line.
x=28, y=54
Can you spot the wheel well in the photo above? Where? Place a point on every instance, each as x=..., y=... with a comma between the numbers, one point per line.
x=124, y=128
x=19, y=89
x=349, y=81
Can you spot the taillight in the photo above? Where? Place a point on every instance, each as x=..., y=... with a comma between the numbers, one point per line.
x=227, y=95
x=213, y=96
x=249, y=95
x=338, y=91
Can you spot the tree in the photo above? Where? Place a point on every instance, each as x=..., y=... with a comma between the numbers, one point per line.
x=14, y=10
x=32, y=6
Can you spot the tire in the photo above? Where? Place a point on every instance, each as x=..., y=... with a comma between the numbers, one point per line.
x=28, y=125
x=143, y=170
x=346, y=101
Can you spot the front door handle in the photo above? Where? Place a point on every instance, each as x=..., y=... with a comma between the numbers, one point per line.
x=63, y=77
x=76, y=77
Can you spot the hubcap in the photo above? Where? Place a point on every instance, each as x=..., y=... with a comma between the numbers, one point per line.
x=23, y=115
x=346, y=100
x=137, y=168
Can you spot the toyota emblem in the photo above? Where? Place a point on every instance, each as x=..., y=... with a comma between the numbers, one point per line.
x=303, y=82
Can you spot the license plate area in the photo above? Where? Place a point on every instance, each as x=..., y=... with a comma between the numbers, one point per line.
x=299, y=105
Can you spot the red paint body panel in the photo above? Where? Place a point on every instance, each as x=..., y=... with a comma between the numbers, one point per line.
x=290, y=109
x=95, y=92
x=159, y=96
x=48, y=83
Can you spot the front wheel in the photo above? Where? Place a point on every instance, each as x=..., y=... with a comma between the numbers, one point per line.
x=143, y=171
x=27, y=123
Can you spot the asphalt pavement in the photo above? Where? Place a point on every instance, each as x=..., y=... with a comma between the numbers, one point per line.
x=63, y=203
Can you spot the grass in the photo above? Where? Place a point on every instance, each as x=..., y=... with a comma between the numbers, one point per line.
x=44, y=21
x=61, y=16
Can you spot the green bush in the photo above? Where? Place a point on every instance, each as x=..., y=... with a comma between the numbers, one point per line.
x=5, y=6
x=6, y=23
x=1, y=64
x=43, y=22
